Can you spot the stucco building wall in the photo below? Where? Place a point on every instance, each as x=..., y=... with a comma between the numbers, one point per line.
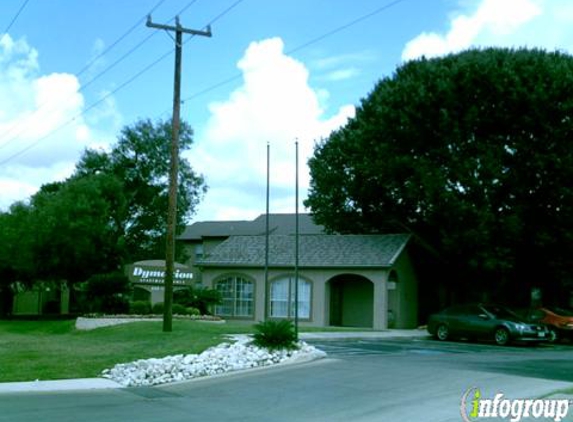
x=364, y=293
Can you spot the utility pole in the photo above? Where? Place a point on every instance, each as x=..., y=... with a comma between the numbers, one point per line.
x=174, y=170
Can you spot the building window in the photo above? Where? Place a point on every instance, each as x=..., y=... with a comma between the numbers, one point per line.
x=198, y=251
x=237, y=297
x=283, y=298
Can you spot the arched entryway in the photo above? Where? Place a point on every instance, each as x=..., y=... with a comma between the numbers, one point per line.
x=351, y=301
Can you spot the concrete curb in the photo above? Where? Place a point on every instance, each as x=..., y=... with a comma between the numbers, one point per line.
x=59, y=385
x=297, y=361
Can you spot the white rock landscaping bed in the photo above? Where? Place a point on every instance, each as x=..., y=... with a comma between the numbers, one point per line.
x=220, y=359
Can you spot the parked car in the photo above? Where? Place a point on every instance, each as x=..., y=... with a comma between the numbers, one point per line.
x=558, y=320
x=485, y=322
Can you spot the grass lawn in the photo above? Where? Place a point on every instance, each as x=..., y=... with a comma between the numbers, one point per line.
x=47, y=350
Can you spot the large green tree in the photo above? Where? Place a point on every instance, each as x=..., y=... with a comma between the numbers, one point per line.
x=16, y=261
x=77, y=228
x=473, y=154
x=140, y=161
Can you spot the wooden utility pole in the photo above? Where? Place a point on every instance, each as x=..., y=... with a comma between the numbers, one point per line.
x=174, y=170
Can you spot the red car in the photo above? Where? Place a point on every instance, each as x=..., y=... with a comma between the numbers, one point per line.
x=558, y=320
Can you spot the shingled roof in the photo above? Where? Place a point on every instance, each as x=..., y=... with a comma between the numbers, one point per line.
x=315, y=251
x=278, y=224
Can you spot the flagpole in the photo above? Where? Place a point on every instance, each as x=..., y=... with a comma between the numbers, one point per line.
x=267, y=292
x=296, y=235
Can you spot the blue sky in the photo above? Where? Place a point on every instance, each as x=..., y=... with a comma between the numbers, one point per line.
x=297, y=68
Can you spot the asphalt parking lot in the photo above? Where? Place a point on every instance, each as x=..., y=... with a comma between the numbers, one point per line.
x=546, y=361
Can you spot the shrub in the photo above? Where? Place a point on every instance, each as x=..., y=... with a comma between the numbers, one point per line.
x=178, y=309
x=275, y=335
x=108, y=293
x=110, y=284
x=201, y=298
x=140, y=307
x=157, y=308
x=115, y=305
x=193, y=311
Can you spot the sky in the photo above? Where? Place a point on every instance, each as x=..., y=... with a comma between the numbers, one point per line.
x=275, y=72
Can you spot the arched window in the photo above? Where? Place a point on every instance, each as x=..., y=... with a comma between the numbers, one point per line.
x=237, y=295
x=283, y=298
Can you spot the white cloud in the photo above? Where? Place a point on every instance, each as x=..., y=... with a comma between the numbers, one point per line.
x=275, y=104
x=42, y=132
x=343, y=60
x=342, y=74
x=489, y=24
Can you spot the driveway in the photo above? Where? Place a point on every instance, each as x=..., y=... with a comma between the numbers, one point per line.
x=362, y=380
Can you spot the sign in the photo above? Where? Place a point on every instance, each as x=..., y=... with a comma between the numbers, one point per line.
x=155, y=275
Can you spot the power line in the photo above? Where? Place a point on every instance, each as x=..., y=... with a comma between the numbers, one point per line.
x=300, y=47
x=223, y=13
x=105, y=97
x=16, y=16
x=104, y=71
x=345, y=26
x=120, y=39
x=132, y=50
x=91, y=107
x=81, y=71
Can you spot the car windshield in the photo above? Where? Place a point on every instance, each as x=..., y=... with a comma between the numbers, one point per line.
x=501, y=312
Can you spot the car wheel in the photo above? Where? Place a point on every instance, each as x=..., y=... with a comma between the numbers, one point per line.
x=553, y=336
x=443, y=332
x=501, y=336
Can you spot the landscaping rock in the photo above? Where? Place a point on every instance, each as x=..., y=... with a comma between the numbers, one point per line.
x=220, y=359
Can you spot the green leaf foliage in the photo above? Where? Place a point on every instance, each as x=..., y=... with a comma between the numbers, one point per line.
x=275, y=335
x=77, y=228
x=141, y=161
x=108, y=293
x=112, y=211
x=201, y=298
x=472, y=153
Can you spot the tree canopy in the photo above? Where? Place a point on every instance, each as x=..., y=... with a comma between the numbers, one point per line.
x=473, y=154
x=140, y=161
x=111, y=211
x=76, y=228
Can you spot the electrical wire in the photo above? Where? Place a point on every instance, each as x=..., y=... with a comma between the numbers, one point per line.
x=92, y=106
x=16, y=16
x=104, y=71
x=223, y=13
x=123, y=85
x=298, y=48
x=12, y=128
x=120, y=39
x=212, y=87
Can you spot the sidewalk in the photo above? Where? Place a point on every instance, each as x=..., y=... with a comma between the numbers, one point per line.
x=350, y=335
x=102, y=383
x=59, y=385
